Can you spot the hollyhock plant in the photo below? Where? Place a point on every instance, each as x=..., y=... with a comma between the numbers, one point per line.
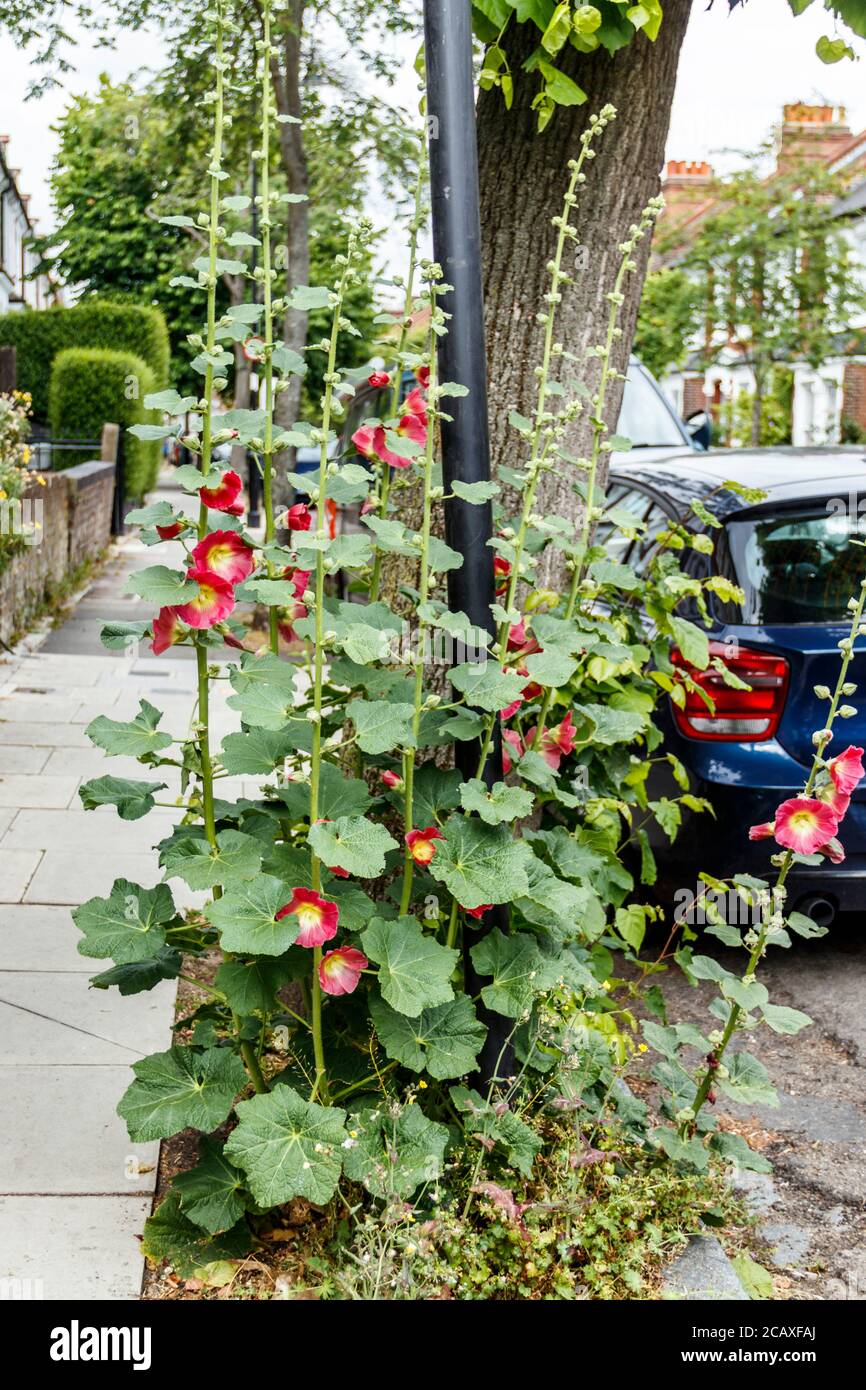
x=168, y=630
x=318, y=919
x=556, y=743
x=213, y=602
x=340, y=970
x=804, y=824
x=846, y=770
x=227, y=554
x=422, y=843
x=225, y=497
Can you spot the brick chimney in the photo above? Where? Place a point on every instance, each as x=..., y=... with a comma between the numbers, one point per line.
x=810, y=133
x=686, y=185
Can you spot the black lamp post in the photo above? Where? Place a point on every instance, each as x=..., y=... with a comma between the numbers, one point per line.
x=462, y=358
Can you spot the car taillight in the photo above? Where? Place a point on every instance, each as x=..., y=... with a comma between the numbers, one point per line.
x=741, y=716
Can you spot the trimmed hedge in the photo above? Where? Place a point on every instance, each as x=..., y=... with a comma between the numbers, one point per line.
x=90, y=386
x=39, y=334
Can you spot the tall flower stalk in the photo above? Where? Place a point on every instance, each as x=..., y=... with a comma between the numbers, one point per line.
x=268, y=300
x=354, y=254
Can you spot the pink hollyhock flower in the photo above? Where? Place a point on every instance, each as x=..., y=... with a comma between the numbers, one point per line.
x=834, y=851
x=517, y=636
x=167, y=630
x=317, y=918
x=227, y=554
x=414, y=427
x=415, y=405
x=168, y=533
x=846, y=769
x=804, y=824
x=477, y=912
x=510, y=710
x=340, y=970
x=763, y=832
x=369, y=440
x=511, y=739
x=422, y=376
x=836, y=800
x=299, y=579
x=287, y=626
x=232, y=641
x=379, y=379
x=225, y=497
x=556, y=743
x=501, y=573
x=213, y=602
x=421, y=843
x=392, y=780
x=299, y=517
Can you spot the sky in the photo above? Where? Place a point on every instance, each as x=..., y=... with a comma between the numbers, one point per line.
x=735, y=74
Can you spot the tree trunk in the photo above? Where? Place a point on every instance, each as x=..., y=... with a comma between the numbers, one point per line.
x=758, y=407
x=523, y=175
x=286, y=75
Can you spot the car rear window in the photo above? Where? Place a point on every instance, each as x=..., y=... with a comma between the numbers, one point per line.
x=795, y=568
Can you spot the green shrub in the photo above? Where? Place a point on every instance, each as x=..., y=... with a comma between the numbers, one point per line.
x=90, y=386
x=40, y=334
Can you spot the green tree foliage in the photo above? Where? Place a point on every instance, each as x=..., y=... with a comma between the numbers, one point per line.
x=665, y=320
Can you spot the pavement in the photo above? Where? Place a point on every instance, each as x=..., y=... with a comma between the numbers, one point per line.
x=74, y=1191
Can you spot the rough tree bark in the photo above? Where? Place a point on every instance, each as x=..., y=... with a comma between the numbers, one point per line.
x=523, y=176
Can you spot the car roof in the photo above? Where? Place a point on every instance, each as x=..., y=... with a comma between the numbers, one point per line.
x=786, y=475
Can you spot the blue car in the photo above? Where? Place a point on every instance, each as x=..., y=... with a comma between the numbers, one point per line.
x=790, y=554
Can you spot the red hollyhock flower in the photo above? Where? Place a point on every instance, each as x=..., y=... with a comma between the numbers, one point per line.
x=379, y=379
x=340, y=970
x=517, y=636
x=421, y=843
x=477, y=912
x=422, y=376
x=168, y=533
x=501, y=573
x=416, y=405
x=556, y=743
x=213, y=602
x=225, y=497
x=836, y=800
x=511, y=739
x=765, y=831
x=227, y=554
x=318, y=919
x=510, y=710
x=167, y=630
x=392, y=780
x=299, y=517
x=369, y=440
x=846, y=769
x=804, y=824
x=299, y=579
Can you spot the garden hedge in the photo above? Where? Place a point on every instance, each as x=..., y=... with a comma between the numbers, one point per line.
x=92, y=385
x=40, y=334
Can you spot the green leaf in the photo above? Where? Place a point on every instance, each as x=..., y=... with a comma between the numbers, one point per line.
x=784, y=1020
x=119, y=636
x=437, y=790
x=559, y=87
x=732, y=1148
x=181, y=1089
x=490, y=1122
x=757, y=1281
x=170, y=402
x=169, y=1235
x=308, y=297
x=747, y=1081
x=381, y=726
x=237, y=857
x=393, y=1156
x=414, y=970
x=128, y=925
x=478, y=863
x=833, y=50
x=132, y=799
x=613, y=575
x=135, y=977
x=499, y=805
x=211, y=1194
x=255, y=753
x=339, y=795
x=151, y=432
x=804, y=926
x=611, y=725
x=445, y=1040
x=517, y=969
x=692, y=641
x=250, y=986
x=246, y=918
x=352, y=843
x=475, y=492
x=134, y=737
x=559, y=28
x=288, y=1147
x=158, y=584
x=550, y=667
x=486, y=685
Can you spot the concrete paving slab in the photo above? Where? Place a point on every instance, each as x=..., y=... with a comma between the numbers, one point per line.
x=81, y=1248
x=62, y=1133
x=88, y=831
x=17, y=867
x=54, y=1019
x=36, y=937
x=34, y=709
x=38, y=791
x=58, y=735
x=22, y=760
x=74, y=877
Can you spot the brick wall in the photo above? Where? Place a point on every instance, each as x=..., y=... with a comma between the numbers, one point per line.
x=854, y=393
x=73, y=513
x=693, y=396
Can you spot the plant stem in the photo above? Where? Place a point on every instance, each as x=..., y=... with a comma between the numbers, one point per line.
x=265, y=228
x=405, y=325
x=760, y=945
x=409, y=754
x=451, y=938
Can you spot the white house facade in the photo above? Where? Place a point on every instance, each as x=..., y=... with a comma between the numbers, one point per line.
x=17, y=259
